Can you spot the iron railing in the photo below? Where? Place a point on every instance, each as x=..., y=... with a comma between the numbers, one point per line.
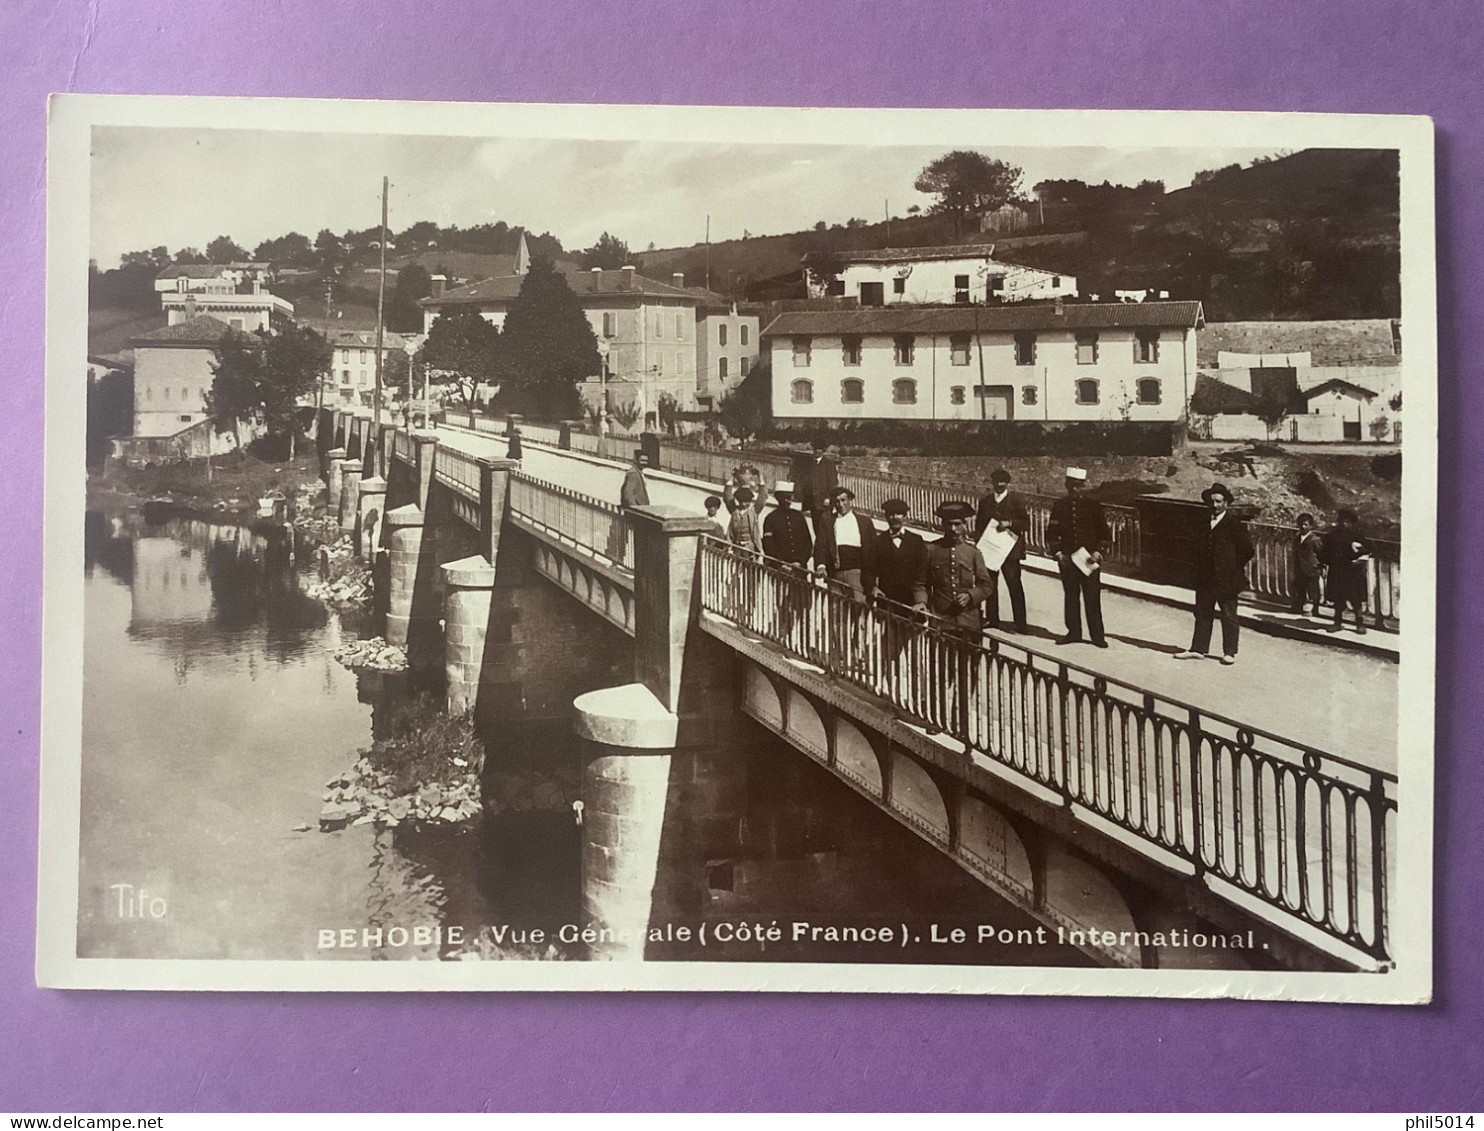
x=402, y=447
x=580, y=521
x=1301, y=830
x=457, y=470
x=1273, y=570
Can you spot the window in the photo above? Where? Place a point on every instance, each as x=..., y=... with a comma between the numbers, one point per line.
x=236, y=323
x=181, y=284
x=852, y=391
x=185, y=418
x=1025, y=349
x=958, y=348
x=1029, y=394
x=185, y=394
x=610, y=324
x=960, y=288
x=659, y=325
x=902, y=349
x=363, y=376
x=802, y=392
x=363, y=357
x=835, y=287
x=1149, y=390
x=721, y=368
x=721, y=334
x=1146, y=346
x=801, y=352
x=743, y=330
x=1087, y=348
x=956, y=395
x=850, y=349
x=744, y=366
x=345, y=376
x=680, y=327
x=871, y=295
x=167, y=392
x=1087, y=391
x=904, y=391
x=1056, y=280
x=899, y=285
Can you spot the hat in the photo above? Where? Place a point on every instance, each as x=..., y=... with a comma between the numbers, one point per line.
x=713, y=500
x=639, y=454
x=951, y=512
x=783, y=487
x=743, y=495
x=1077, y=473
x=1216, y=489
x=895, y=506
x=1000, y=475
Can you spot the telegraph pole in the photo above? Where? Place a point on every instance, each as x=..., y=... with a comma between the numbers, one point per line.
x=380, y=307
x=708, y=251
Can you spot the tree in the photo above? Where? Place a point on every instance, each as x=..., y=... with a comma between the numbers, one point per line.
x=260, y=378
x=609, y=252
x=548, y=346
x=293, y=249
x=190, y=255
x=224, y=249
x=236, y=377
x=330, y=250
x=464, y=350
x=968, y=183
x=419, y=235
x=155, y=258
x=403, y=313
x=822, y=265
x=396, y=371
x=748, y=408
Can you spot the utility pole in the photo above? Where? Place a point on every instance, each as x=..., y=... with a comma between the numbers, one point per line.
x=982, y=392
x=380, y=307
x=708, y=251
x=886, y=207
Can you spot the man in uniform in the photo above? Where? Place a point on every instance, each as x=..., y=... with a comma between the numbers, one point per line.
x=952, y=584
x=1005, y=510
x=901, y=556
x=1078, y=537
x=786, y=539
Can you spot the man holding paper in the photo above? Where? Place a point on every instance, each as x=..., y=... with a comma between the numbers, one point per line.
x=1078, y=537
x=999, y=529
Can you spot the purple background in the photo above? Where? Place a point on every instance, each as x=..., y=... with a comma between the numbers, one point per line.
x=167, y=1052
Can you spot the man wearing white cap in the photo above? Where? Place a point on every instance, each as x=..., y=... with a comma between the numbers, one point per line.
x=1078, y=537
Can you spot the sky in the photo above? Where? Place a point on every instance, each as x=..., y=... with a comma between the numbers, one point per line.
x=183, y=187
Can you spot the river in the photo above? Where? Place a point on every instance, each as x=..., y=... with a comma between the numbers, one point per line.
x=215, y=713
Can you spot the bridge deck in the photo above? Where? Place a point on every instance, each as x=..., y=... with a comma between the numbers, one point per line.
x=1351, y=709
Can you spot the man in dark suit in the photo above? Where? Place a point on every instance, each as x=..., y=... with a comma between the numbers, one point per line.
x=786, y=539
x=901, y=559
x=1078, y=537
x=1006, y=511
x=817, y=481
x=1220, y=574
x=635, y=489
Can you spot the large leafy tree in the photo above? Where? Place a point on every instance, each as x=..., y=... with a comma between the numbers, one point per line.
x=293, y=250
x=609, y=252
x=262, y=377
x=967, y=183
x=403, y=314
x=463, y=350
x=548, y=346
x=224, y=249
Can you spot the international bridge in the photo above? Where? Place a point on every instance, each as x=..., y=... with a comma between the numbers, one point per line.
x=1117, y=807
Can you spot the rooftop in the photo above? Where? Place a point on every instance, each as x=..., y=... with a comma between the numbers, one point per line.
x=1368, y=341
x=922, y=254
x=344, y=337
x=206, y=270
x=989, y=319
x=584, y=283
x=202, y=330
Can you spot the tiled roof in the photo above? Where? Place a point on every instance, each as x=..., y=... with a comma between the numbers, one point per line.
x=919, y=254
x=1354, y=342
x=988, y=319
x=206, y=270
x=351, y=338
x=200, y=330
x=585, y=284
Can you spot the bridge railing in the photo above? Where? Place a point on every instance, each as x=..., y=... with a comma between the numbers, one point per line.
x=457, y=470
x=1273, y=570
x=402, y=447
x=1303, y=831
x=575, y=519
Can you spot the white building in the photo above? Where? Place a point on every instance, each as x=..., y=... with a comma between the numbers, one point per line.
x=646, y=330
x=728, y=341
x=962, y=274
x=236, y=293
x=173, y=371
x=1054, y=362
x=353, y=364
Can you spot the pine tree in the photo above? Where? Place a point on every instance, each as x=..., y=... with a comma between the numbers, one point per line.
x=547, y=346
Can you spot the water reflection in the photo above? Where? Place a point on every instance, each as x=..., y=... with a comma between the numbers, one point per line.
x=202, y=789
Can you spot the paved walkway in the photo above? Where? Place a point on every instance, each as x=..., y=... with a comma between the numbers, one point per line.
x=1349, y=710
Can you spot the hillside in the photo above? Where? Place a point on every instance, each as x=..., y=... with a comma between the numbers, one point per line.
x=1311, y=235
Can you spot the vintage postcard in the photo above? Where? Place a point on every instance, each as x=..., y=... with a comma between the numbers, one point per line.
x=616, y=547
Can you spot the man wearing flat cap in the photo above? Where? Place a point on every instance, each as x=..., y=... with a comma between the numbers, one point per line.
x=1219, y=575
x=1079, y=538
x=1005, y=510
x=786, y=539
x=900, y=557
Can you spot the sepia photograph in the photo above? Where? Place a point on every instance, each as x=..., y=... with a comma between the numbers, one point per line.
x=604, y=547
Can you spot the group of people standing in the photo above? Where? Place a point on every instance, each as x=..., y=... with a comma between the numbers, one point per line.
x=814, y=529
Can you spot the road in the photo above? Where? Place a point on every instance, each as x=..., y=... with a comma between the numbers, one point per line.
x=1349, y=710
